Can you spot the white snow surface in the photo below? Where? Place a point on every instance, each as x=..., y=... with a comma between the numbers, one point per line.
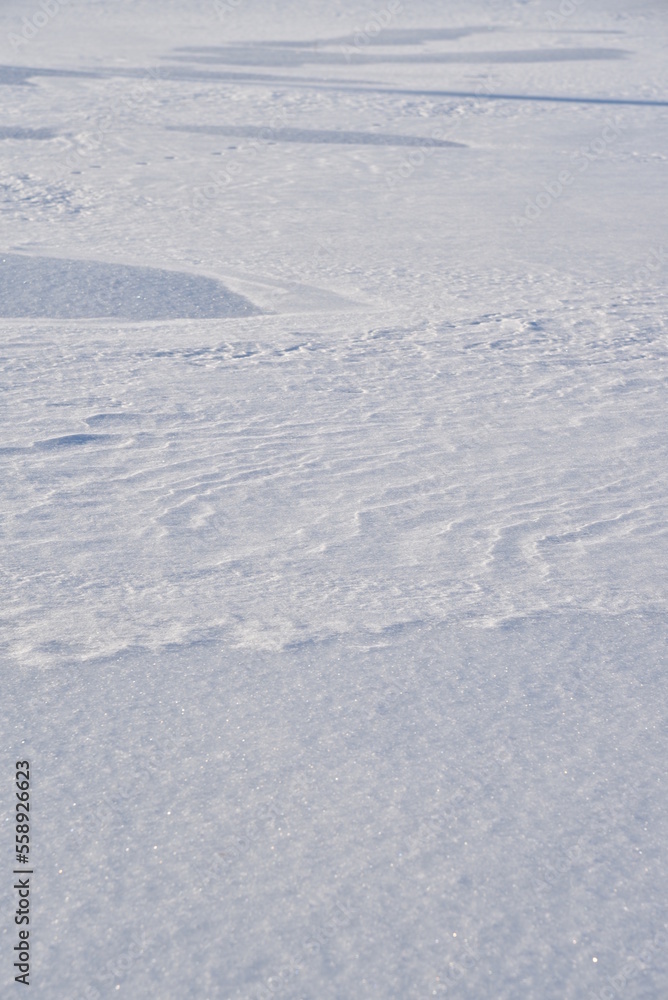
x=334, y=466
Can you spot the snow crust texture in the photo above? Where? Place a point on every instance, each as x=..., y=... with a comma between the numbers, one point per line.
x=333, y=497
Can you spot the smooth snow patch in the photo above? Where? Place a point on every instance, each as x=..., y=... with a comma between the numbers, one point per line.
x=84, y=289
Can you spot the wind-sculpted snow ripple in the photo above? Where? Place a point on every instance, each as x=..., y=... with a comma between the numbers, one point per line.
x=271, y=493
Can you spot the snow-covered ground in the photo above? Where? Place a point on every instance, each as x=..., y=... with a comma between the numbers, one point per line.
x=334, y=465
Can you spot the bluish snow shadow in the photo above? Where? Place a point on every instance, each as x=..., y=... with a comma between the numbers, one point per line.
x=259, y=56
x=13, y=132
x=549, y=98
x=84, y=289
x=387, y=36
x=266, y=134
x=403, y=36
x=16, y=76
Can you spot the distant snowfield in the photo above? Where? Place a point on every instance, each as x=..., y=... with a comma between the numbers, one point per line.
x=335, y=562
